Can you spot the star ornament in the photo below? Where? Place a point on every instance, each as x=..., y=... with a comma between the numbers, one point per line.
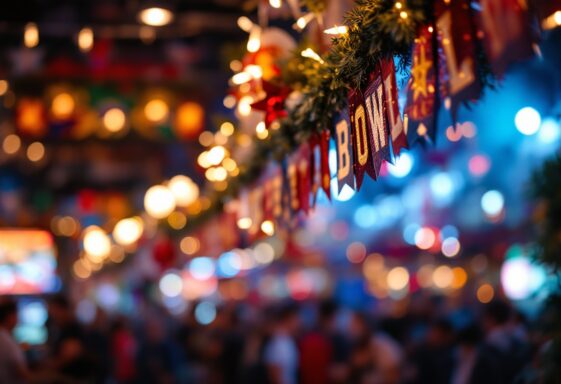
x=419, y=72
x=273, y=103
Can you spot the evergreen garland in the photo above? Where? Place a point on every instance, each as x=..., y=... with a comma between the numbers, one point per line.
x=546, y=189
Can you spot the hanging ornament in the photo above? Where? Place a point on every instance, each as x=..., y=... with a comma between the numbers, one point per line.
x=273, y=104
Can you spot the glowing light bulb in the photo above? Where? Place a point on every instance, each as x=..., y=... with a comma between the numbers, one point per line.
x=337, y=30
x=63, y=106
x=128, y=231
x=268, y=227
x=31, y=35
x=275, y=3
x=85, y=39
x=114, y=120
x=185, y=191
x=159, y=201
x=96, y=243
x=311, y=54
x=254, y=42
x=156, y=111
x=155, y=16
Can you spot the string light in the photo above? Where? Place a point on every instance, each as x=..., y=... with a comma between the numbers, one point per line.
x=244, y=223
x=156, y=111
x=254, y=42
x=31, y=35
x=261, y=131
x=268, y=227
x=552, y=21
x=254, y=71
x=227, y=128
x=403, y=15
x=35, y=151
x=4, y=86
x=245, y=24
x=337, y=30
x=11, y=144
x=398, y=5
x=114, y=120
x=275, y=3
x=240, y=78
x=311, y=54
x=85, y=39
x=303, y=21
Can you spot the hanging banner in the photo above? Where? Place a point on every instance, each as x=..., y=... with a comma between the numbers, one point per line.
x=319, y=147
x=378, y=137
x=343, y=140
x=292, y=178
x=456, y=39
x=305, y=176
x=421, y=108
x=362, y=158
x=508, y=36
x=397, y=129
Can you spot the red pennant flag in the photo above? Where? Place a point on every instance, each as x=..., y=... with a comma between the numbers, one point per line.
x=397, y=129
x=421, y=108
x=378, y=137
x=343, y=139
x=507, y=34
x=324, y=163
x=456, y=39
x=360, y=128
x=304, y=176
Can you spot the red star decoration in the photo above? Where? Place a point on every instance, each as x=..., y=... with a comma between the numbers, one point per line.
x=273, y=103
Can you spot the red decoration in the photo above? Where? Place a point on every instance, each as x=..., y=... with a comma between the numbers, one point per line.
x=507, y=32
x=273, y=103
x=397, y=128
x=421, y=108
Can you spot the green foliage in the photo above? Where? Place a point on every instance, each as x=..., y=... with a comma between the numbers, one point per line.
x=546, y=188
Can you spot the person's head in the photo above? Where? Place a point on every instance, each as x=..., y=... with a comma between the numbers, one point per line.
x=327, y=311
x=288, y=318
x=60, y=310
x=497, y=313
x=8, y=314
x=440, y=333
x=359, y=326
x=469, y=336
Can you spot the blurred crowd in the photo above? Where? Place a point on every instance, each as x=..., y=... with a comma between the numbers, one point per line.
x=311, y=342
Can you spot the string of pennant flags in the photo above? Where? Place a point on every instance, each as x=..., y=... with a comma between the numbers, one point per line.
x=454, y=49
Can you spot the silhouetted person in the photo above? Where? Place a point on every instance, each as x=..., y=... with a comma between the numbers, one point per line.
x=13, y=367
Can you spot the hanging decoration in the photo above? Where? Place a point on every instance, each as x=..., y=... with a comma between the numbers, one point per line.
x=348, y=93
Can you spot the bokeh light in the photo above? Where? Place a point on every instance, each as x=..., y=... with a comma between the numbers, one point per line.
x=527, y=121
x=159, y=201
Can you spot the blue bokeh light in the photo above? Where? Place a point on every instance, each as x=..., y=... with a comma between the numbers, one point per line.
x=527, y=121
x=403, y=165
x=365, y=216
